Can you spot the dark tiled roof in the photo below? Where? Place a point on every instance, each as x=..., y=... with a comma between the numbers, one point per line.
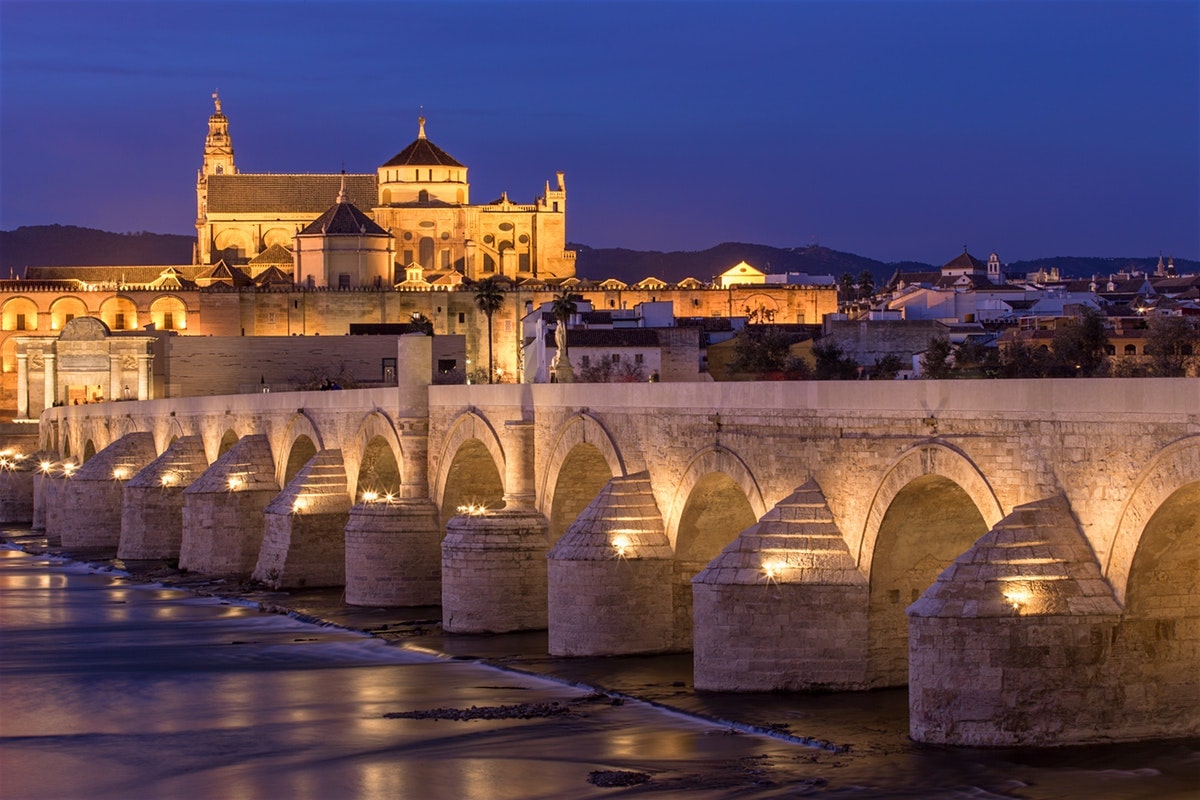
x=618, y=337
x=965, y=261
x=951, y=281
x=223, y=272
x=275, y=254
x=910, y=278
x=286, y=194
x=422, y=153
x=344, y=219
x=135, y=274
x=273, y=276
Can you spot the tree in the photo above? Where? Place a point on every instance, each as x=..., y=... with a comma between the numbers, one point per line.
x=1022, y=360
x=489, y=298
x=846, y=288
x=972, y=358
x=833, y=364
x=887, y=368
x=563, y=306
x=936, y=361
x=422, y=323
x=1169, y=343
x=1081, y=348
x=866, y=283
x=758, y=352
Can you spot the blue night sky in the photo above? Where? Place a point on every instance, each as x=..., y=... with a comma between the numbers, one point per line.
x=897, y=130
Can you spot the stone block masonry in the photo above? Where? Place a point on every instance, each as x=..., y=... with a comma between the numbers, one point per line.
x=783, y=607
x=494, y=572
x=304, y=528
x=394, y=554
x=610, y=576
x=223, y=510
x=92, y=498
x=152, y=509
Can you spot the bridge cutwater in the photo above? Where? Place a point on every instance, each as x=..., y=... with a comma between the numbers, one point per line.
x=1023, y=554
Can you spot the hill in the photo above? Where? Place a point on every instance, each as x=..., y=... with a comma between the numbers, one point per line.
x=633, y=265
x=68, y=245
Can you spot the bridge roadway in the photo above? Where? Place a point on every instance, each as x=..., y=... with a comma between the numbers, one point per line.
x=1025, y=555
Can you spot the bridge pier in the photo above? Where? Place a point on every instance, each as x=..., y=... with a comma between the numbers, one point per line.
x=92, y=498
x=54, y=489
x=304, y=539
x=610, y=576
x=17, y=475
x=494, y=572
x=1012, y=644
x=394, y=553
x=394, y=542
x=223, y=510
x=783, y=607
x=152, y=509
x=494, y=562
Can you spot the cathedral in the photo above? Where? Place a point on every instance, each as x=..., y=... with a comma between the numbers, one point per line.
x=348, y=230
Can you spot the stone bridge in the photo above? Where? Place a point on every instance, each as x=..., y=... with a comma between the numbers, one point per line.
x=1024, y=555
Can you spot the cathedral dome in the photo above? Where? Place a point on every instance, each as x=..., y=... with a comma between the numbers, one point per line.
x=422, y=153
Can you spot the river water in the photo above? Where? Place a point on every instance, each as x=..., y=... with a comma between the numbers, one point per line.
x=114, y=689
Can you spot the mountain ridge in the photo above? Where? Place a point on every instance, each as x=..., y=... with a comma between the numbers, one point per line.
x=71, y=245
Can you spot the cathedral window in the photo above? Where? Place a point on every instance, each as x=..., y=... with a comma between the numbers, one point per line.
x=423, y=196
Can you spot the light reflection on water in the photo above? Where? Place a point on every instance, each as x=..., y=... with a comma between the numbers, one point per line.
x=112, y=691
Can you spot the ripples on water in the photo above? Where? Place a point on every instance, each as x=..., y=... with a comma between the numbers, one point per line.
x=114, y=690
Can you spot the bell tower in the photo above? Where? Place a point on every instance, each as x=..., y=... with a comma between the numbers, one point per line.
x=218, y=149
x=218, y=160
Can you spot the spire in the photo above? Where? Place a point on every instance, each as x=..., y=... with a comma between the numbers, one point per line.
x=341, y=198
x=421, y=127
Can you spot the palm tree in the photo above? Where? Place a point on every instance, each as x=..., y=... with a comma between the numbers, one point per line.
x=489, y=298
x=563, y=306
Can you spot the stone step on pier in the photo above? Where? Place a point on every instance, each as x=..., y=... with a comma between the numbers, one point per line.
x=92, y=497
x=783, y=607
x=152, y=509
x=303, y=542
x=223, y=510
x=610, y=576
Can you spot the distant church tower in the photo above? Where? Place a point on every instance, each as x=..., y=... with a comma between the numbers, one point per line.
x=218, y=160
x=993, y=270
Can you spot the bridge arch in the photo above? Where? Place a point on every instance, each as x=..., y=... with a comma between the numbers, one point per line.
x=1170, y=472
x=470, y=466
x=717, y=498
x=300, y=441
x=168, y=433
x=930, y=507
x=928, y=458
x=713, y=460
x=376, y=461
x=583, y=458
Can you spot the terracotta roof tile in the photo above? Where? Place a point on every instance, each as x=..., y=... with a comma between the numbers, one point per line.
x=286, y=194
x=422, y=153
x=344, y=219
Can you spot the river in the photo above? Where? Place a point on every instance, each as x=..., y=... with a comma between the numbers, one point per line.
x=111, y=688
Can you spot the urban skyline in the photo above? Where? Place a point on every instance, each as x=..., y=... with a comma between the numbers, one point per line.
x=895, y=130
